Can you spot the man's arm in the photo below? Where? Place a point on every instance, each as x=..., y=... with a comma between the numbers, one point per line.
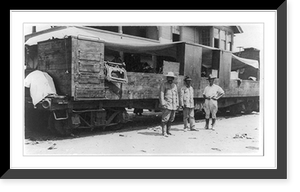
x=220, y=93
x=162, y=95
x=177, y=98
x=204, y=95
x=181, y=97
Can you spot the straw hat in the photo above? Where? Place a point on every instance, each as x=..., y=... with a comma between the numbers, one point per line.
x=211, y=77
x=170, y=74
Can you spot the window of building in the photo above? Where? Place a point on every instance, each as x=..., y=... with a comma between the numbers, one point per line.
x=223, y=40
x=106, y=28
x=150, y=32
x=175, y=33
x=216, y=33
x=216, y=43
x=222, y=35
x=228, y=38
x=175, y=37
x=205, y=37
x=229, y=47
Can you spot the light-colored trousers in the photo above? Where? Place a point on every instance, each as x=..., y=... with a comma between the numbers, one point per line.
x=168, y=115
x=210, y=107
x=188, y=114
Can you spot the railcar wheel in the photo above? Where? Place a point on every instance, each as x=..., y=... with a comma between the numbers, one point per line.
x=117, y=117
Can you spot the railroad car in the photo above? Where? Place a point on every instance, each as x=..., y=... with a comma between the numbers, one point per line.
x=94, y=87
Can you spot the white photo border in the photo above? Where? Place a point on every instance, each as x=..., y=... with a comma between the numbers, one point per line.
x=267, y=161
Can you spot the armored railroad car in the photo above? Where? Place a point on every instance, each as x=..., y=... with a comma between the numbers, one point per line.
x=94, y=87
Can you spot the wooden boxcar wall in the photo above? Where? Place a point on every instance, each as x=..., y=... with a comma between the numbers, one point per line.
x=54, y=57
x=192, y=64
x=88, y=78
x=76, y=66
x=225, y=68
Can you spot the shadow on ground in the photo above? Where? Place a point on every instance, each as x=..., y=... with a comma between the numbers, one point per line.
x=39, y=132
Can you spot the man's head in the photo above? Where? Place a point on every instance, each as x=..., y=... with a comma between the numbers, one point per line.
x=170, y=77
x=187, y=81
x=211, y=80
x=170, y=80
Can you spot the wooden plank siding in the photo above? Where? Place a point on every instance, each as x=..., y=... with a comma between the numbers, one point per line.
x=192, y=64
x=88, y=69
x=224, y=68
x=77, y=68
x=54, y=58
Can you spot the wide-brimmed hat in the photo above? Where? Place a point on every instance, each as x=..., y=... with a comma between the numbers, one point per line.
x=187, y=78
x=211, y=77
x=170, y=74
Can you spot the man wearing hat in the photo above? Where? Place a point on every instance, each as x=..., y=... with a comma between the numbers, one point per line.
x=187, y=103
x=211, y=94
x=169, y=103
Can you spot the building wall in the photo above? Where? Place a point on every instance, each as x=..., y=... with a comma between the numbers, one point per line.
x=190, y=34
x=165, y=34
x=152, y=32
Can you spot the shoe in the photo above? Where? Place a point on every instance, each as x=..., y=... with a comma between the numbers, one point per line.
x=185, y=129
x=193, y=129
x=168, y=133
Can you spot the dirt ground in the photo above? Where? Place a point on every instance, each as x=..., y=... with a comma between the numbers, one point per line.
x=142, y=136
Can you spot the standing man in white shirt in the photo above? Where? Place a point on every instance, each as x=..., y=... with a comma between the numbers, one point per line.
x=211, y=94
x=187, y=103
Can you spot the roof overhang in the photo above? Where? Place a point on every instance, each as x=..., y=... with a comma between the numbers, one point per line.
x=237, y=29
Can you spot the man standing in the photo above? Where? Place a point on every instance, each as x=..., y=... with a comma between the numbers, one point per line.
x=211, y=94
x=187, y=103
x=168, y=98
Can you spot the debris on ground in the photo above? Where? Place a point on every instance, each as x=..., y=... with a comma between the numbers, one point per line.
x=216, y=149
x=242, y=136
x=192, y=138
x=52, y=146
x=252, y=147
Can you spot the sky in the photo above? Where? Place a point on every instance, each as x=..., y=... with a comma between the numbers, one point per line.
x=252, y=36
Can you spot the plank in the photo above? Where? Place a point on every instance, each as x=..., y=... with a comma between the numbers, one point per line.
x=192, y=63
x=90, y=55
x=89, y=93
x=90, y=66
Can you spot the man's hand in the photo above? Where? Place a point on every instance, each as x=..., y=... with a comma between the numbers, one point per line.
x=164, y=106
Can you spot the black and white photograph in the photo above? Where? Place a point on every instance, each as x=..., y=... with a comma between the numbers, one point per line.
x=125, y=89
x=147, y=94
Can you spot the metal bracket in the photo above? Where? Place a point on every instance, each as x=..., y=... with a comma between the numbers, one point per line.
x=61, y=118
